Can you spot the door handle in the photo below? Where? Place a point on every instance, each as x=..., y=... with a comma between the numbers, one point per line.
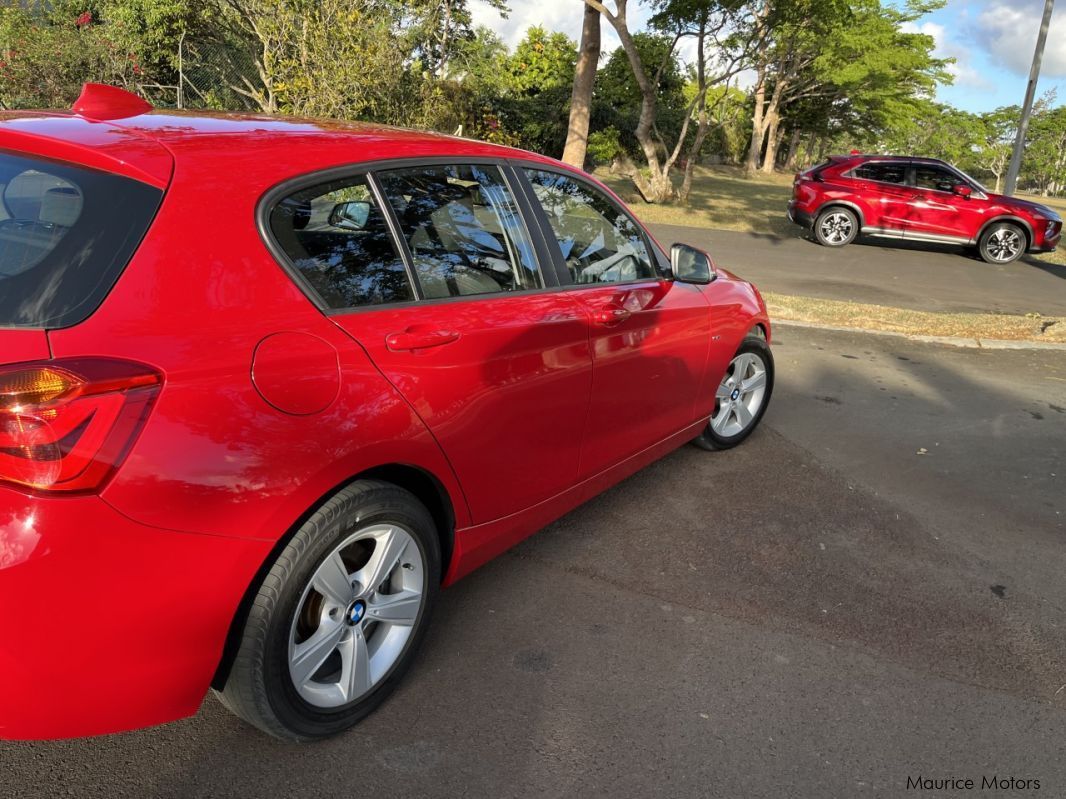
x=610, y=315
x=412, y=339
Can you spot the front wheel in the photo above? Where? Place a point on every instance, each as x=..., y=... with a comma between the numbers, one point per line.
x=1002, y=243
x=339, y=616
x=741, y=398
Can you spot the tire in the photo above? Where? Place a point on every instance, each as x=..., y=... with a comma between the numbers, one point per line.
x=1002, y=243
x=729, y=424
x=836, y=226
x=306, y=603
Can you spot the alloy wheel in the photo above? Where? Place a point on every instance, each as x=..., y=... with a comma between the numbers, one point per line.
x=1004, y=245
x=356, y=615
x=740, y=395
x=836, y=228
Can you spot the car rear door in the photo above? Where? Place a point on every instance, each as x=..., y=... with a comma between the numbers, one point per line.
x=650, y=336
x=430, y=267
x=887, y=196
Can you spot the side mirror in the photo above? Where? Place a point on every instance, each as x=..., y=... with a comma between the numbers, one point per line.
x=962, y=190
x=690, y=265
x=350, y=215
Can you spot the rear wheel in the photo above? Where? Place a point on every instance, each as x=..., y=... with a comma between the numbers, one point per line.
x=1002, y=243
x=742, y=396
x=339, y=616
x=836, y=227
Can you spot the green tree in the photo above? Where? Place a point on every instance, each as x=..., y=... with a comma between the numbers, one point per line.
x=848, y=67
x=540, y=74
x=47, y=51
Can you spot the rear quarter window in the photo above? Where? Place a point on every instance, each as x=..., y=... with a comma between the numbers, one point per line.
x=66, y=234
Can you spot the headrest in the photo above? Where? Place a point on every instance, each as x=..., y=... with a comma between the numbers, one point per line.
x=60, y=206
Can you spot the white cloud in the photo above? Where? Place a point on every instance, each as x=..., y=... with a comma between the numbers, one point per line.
x=961, y=70
x=1007, y=29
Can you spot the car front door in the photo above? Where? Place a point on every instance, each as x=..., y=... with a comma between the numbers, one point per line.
x=431, y=269
x=650, y=336
x=937, y=212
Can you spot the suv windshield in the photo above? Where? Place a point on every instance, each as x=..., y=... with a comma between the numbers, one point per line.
x=66, y=233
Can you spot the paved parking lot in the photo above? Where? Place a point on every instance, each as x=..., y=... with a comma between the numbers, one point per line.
x=882, y=272
x=869, y=589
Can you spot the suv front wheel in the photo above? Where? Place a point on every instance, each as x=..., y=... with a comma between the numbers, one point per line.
x=1002, y=243
x=836, y=227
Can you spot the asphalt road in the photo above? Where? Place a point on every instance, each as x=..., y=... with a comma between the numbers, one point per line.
x=882, y=272
x=867, y=590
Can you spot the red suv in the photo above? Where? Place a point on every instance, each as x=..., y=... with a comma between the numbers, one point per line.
x=268, y=384
x=917, y=199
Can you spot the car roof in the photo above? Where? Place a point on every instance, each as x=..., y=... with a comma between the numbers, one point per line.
x=918, y=159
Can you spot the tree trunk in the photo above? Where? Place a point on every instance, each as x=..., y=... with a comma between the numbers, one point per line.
x=758, y=125
x=772, y=122
x=793, y=151
x=577, y=136
x=703, y=125
x=656, y=187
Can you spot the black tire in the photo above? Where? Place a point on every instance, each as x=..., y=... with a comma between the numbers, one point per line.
x=708, y=439
x=1002, y=243
x=259, y=688
x=836, y=226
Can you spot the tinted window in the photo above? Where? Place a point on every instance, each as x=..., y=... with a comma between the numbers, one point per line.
x=934, y=177
x=463, y=230
x=66, y=233
x=884, y=172
x=337, y=236
x=599, y=243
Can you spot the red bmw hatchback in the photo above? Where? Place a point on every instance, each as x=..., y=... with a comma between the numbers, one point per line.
x=268, y=384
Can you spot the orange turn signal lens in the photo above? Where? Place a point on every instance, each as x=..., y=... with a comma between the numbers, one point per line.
x=35, y=386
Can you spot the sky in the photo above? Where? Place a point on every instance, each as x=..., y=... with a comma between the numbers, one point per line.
x=992, y=42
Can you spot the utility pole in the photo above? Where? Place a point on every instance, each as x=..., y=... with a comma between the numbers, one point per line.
x=1027, y=107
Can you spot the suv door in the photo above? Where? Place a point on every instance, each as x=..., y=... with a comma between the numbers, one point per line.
x=650, y=336
x=456, y=313
x=937, y=212
x=886, y=194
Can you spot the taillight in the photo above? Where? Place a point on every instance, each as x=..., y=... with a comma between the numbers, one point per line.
x=66, y=425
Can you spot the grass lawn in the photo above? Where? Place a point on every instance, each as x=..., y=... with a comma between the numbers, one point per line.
x=723, y=198
x=1031, y=327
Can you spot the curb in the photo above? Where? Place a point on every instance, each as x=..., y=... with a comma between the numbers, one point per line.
x=951, y=341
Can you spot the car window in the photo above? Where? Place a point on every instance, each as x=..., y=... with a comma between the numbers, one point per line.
x=337, y=237
x=599, y=242
x=463, y=229
x=934, y=177
x=883, y=172
x=66, y=234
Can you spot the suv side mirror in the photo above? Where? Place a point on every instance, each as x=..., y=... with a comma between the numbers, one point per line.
x=962, y=190
x=350, y=215
x=690, y=265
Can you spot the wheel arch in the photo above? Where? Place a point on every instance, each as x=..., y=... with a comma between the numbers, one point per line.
x=425, y=486
x=1027, y=229
x=842, y=204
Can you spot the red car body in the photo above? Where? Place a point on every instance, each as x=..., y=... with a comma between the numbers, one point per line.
x=954, y=210
x=246, y=405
